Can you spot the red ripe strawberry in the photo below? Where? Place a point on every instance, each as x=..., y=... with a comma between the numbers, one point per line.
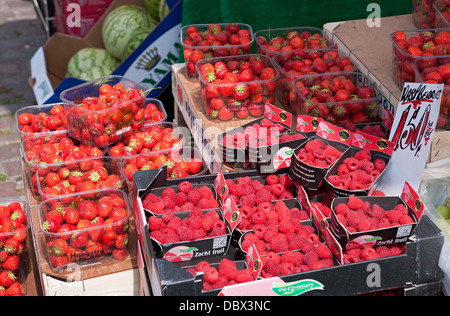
x=225, y=114
x=12, y=263
x=7, y=278
x=15, y=289
x=241, y=92
x=119, y=254
x=71, y=215
x=51, y=225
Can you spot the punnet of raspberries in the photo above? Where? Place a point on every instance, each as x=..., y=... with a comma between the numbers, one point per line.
x=218, y=276
x=186, y=198
x=370, y=253
x=252, y=192
x=359, y=216
x=358, y=172
x=318, y=154
x=297, y=245
x=268, y=213
x=266, y=132
x=170, y=228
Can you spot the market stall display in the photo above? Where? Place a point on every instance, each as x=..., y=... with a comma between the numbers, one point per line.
x=268, y=176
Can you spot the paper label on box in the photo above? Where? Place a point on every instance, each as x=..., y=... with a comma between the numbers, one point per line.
x=254, y=261
x=412, y=199
x=42, y=87
x=370, y=142
x=221, y=186
x=332, y=132
x=231, y=212
x=412, y=131
x=277, y=115
x=307, y=123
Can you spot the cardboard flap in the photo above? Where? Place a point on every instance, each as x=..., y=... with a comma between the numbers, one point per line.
x=253, y=261
x=412, y=199
x=277, y=115
x=221, y=186
x=306, y=124
x=332, y=132
x=145, y=180
x=231, y=213
x=370, y=142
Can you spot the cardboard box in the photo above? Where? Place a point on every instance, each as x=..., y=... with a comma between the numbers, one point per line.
x=150, y=64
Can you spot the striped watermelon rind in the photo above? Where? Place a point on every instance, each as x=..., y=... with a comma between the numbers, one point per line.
x=121, y=25
x=152, y=7
x=136, y=41
x=88, y=58
x=163, y=9
x=95, y=73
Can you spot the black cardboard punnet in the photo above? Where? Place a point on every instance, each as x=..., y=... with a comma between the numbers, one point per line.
x=393, y=235
x=379, y=149
x=241, y=158
x=312, y=177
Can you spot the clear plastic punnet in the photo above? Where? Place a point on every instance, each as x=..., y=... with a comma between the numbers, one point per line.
x=204, y=41
x=93, y=231
x=102, y=111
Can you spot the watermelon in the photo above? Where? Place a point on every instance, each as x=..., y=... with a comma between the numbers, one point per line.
x=88, y=58
x=152, y=7
x=121, y=25
x=136, y=41
x=95, y=73
x=163, y=9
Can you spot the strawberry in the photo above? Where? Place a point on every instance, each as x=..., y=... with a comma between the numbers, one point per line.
x=7, y=278
x=15, y=289
x=12, y=263
x=225, y=114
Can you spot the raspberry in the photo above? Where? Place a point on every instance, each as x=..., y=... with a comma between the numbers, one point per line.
x=384, y=223
x=152, y=198
x=286, y=226
x=221, y=282
x=174, y=223
x=341, y=208
x=361, y=176
x=286, y=181
x=194, y=196
x=272, y=179
x=395, y=251
x=171, y=238
x=158, y=236
x=287, y=268
x=180, y=198
x=377, y=212
x=319, y=153
x=185, y=187
x=369, y=254
x=263, y=196
x=154, y=223
x=348, y=258
x=259, y=218
x=379, y=165
x=202, y=266
x=206, y=192
x=330, y=150
x=199, y=233
x=279, y=245
x=289, y=256
x=272, y=267
x=354, y=202
x=207, y=223
x=212, y=204
x=364, y=225
x=169, y=192
x=277, y=189
x=323, y=252
x=195, y=222
x=402, y=209
x=310, y=257
x=383, y=251
x=406, y=219
x=377, y=193
x=211, y=275
x=393, y=215
x=245, y=275
x=334, y=180
x=245, y=181
x=363, y=155
x=315, y=143
x=343, y=169
x=237, y=189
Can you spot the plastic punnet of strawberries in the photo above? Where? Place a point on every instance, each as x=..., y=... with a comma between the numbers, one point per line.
x=237, y=87
x=105, y=117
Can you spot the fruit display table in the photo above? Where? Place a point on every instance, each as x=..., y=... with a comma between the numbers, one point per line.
x=374, y=57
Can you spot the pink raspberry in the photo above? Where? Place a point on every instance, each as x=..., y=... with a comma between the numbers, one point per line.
x=354, y=202
x=185, y=187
